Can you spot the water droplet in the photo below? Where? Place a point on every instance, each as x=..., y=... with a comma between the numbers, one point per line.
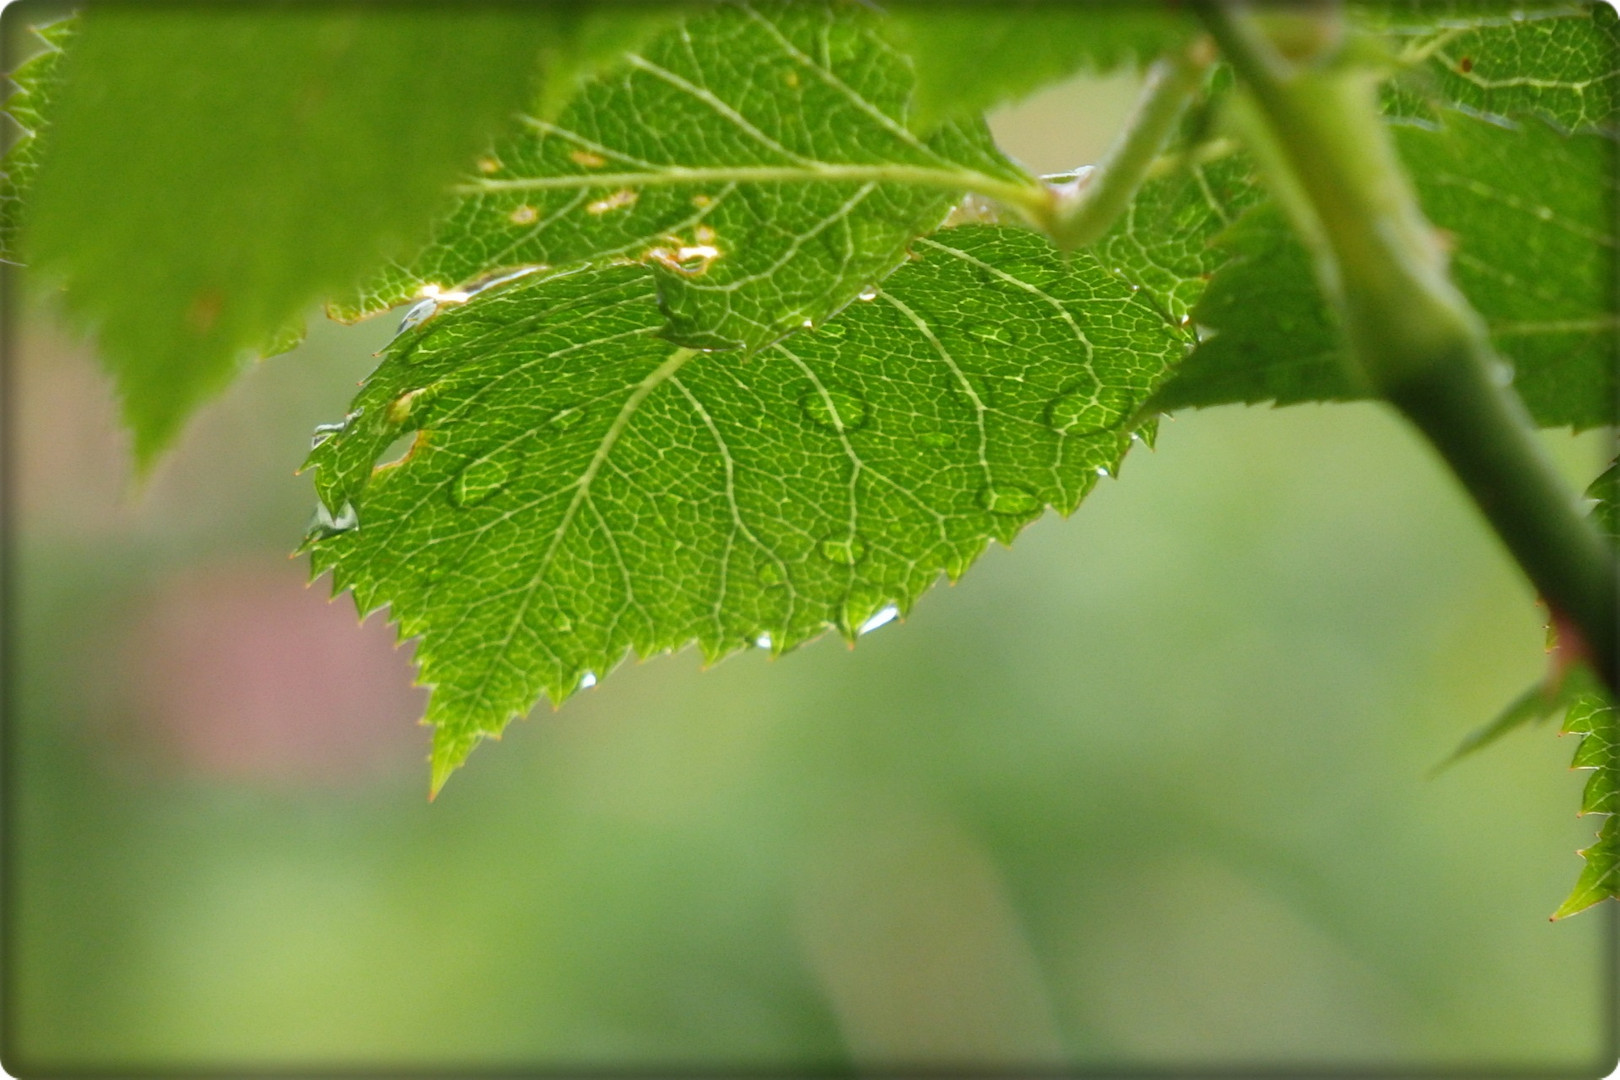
x=769, y=574
x=481, y=480
x=836, y=410
x=808, y=324
x=326, y=431
x=418, y=313
x=567, y=418
x=868, y=293
x=763, y=641
x=883, y=617
x=561, y=623
x=1102, y=471
x=587, y=680
x=327, y=524
x=1001, y=335
x=936, y=439
x=1084, y=411
x=844, y=550
x=1009, y=499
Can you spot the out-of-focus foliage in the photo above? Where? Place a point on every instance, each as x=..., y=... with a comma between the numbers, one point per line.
x=971, y=57
x=212, y=172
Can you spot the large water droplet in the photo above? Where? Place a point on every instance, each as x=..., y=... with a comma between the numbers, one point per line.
x=564, y=419
x=1084, y=411
x=327, y=524
x=844, y=550
x=587, y=680
x=835, y=410
x=481, y=480
x=1009, y=499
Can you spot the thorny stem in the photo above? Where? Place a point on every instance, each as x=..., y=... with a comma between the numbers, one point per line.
x=1314, y=125
x=1085, y=208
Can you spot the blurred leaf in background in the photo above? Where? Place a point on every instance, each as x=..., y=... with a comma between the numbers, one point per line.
x=214, y=171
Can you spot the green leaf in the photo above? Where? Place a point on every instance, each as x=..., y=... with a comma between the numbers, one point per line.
x=1530, y=212
x=1600, y=879
x=973, y=57
x=578, y=488
x=1533, y=706
x=213, y=171
x=1592, y=717
x=1553, y=61
x=1606, y=490
x=777, y=180
x=36, y=81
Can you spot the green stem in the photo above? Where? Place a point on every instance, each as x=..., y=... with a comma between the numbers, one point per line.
x=1414, y=340
x=1087, y=207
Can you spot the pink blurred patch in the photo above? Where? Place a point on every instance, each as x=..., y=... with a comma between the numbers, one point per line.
x=243, y=671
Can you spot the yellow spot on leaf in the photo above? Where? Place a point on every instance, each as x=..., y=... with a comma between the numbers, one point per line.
x=488, y=165
x=524, y=215
x=702, y=202
x=588, y=159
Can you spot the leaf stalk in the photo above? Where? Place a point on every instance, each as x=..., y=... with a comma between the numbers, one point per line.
x=1086, y=207
x=1312, y=120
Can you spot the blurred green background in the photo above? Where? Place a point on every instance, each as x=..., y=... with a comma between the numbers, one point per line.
x=1149, y=790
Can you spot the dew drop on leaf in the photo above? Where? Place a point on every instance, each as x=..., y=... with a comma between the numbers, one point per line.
x=844, y=550
x=324, y=432
x=868, y=293
x=1088, y=412
x=481, y=480
x=1009, y=499
x=327, y=524
x=835, y=410
x=567, y=418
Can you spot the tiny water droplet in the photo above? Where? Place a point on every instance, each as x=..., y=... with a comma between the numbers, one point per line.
x=868, y=293
x=326, y=431
x=999, y=334
x=418, y=313
x=1009, y=499
x=1102, y=471
x=937, y=439
x=769, y=574
x=835, y=410
x=327, y=524
x=883, y=617
x=561, y=623
x=567, y=418
x=480, y=480
x=844, y=550
x=763, y=641
x=1084, y=411
x=587, y=680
